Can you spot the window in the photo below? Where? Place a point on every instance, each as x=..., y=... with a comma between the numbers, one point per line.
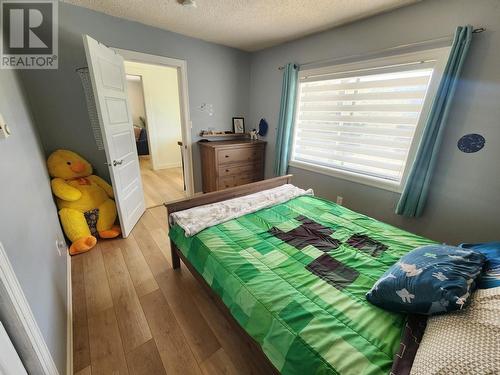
x=363, y=121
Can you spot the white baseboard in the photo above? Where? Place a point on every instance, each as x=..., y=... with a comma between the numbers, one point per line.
x=25, y=315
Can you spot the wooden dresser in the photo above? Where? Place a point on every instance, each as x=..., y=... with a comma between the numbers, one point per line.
x=231, y=163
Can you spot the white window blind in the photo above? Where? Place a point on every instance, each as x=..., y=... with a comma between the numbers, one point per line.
x=362, y=123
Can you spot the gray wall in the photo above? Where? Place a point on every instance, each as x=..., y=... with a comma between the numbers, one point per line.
x=464, y=201
x=29, y=226
x=217, y=75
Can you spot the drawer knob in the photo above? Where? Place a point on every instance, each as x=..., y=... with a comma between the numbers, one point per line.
x=227, y=156
x=227, y=170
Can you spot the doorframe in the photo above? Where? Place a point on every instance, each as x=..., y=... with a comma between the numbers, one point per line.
x=26, y=334
x=181, y=66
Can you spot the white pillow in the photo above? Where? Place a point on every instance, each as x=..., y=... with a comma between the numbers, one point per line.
x=463, y=342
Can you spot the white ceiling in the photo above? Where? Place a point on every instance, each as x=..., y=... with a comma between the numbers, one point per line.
x=245, y=24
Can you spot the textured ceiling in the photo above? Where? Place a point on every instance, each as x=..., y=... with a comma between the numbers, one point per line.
x=246, y=24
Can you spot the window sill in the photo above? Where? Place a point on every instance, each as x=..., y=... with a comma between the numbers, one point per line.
x=352, y=177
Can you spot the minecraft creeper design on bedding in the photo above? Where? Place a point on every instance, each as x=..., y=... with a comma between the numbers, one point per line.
x=303, y=303
x=311, y=233
x=308, y=233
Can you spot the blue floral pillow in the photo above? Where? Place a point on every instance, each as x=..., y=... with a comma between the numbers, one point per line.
x=490, y=278
x=429, y=280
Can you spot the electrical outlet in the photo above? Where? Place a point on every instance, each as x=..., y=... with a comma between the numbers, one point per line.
x=340, y=200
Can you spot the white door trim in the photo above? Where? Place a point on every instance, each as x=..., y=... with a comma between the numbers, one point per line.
x=25, y=316
x=181, y=66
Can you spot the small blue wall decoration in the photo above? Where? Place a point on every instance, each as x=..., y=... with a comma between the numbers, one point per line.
x=263, y=126
x=470, y=143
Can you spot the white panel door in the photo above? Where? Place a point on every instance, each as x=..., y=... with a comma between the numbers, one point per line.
x=110, y=91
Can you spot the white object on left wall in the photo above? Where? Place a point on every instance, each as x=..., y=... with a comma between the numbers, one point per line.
x=4, y=128
x=10, y=363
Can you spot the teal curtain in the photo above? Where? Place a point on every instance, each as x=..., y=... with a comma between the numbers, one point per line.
x=285, y=120
x=417, y=186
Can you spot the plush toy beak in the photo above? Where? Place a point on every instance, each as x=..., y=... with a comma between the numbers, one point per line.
x=77, y=167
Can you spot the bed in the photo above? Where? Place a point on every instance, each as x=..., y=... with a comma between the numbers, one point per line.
x=293, y=279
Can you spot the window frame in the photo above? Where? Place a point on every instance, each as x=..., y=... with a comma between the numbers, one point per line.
x=436, y=58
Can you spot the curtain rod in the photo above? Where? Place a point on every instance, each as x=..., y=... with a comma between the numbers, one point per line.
x=390, y=49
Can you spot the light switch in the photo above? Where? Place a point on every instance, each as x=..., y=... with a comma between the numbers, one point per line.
x=4, y=129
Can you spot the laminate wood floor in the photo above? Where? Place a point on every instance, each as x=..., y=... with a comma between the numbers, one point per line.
x=162, y=185
x=133, y=314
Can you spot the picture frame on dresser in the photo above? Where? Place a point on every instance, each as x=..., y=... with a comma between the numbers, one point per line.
x=238, y=125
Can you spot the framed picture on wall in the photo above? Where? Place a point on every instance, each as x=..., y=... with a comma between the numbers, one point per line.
x=238, y=125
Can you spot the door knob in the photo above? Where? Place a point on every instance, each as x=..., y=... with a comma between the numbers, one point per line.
x=117, y=162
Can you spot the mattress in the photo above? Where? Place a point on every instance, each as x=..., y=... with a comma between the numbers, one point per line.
x=295, y=277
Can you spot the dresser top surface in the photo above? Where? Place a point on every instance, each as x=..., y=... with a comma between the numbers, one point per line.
x=231, y=143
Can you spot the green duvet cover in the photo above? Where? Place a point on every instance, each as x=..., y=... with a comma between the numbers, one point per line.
x=295, y=277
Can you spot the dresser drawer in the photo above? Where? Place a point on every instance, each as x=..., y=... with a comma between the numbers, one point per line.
x=226, y=164
x=231, y=170
x=245, y=154
x=232, y=181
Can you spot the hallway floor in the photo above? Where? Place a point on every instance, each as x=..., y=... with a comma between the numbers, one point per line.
x=133, y=314
x=162, y=185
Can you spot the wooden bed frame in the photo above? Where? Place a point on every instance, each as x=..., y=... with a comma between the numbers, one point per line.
x=177, y=256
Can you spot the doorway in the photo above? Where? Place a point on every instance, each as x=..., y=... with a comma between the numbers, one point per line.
x=112, y=110
x=155, y=94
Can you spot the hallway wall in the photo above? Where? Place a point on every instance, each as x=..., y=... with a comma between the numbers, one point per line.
x=136, y=99
x=163, y=116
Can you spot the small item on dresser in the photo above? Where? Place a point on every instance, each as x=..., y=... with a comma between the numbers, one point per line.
x=429, y=280
x=238, y=125
x=215, y=133
x=253, y=135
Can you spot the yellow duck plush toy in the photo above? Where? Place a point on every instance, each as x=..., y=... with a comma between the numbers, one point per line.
x=85, y=203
